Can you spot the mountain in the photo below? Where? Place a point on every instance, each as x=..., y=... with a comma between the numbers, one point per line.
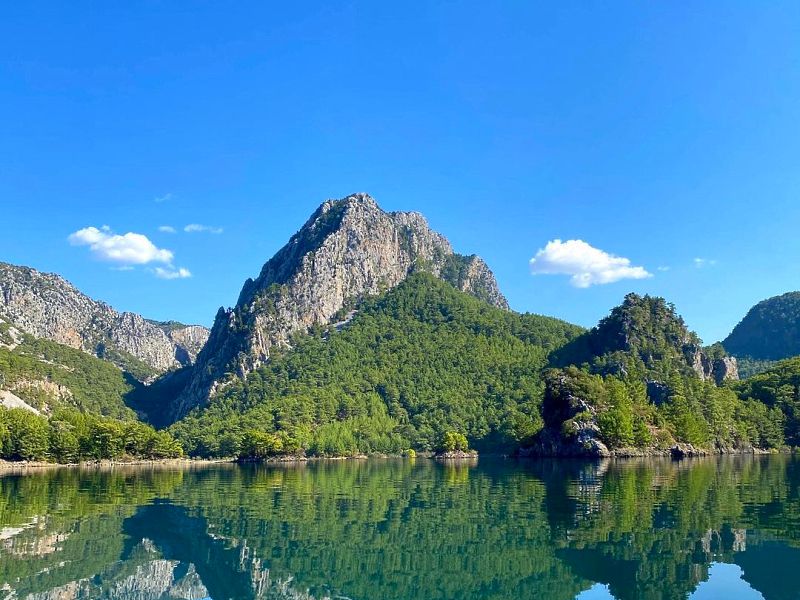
x=347, y=250
x=769, y=332
x=641, y=382
x=44, y=375
x=47, y=306
x=410, y=365
x=645, y=336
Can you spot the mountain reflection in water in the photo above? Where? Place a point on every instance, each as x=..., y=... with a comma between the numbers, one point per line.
x=399, y=529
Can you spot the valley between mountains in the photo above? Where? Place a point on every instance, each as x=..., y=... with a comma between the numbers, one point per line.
x=368, y=334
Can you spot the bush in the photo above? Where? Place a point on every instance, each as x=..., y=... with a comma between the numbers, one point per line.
x=453, y=442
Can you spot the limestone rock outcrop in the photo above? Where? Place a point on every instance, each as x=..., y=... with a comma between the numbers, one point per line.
x=47, y=306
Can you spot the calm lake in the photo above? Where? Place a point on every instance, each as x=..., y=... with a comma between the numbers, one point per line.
x=405, y=529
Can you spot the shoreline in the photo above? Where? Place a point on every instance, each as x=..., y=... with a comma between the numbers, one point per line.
x=25, y=465
x=618, y=454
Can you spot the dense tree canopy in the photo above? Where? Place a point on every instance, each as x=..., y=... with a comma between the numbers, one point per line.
x=71, y=436
x=414, y=363
x=643, y=337
x=48, y=375
x=770, y=331
x=424, y=365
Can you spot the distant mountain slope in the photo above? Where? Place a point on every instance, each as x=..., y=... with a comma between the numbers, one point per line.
x=778, y=387
x=47, y=375
x=411, y=364
x=49, y=307
x=770, y=331
x=348, y=249
x=644, y=336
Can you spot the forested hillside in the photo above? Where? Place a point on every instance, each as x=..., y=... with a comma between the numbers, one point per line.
x=48, y=375
x=641, y=379
x=413, y=364
x=426, y=367
x=778, y=388
x=768, y=333
x=81, y=403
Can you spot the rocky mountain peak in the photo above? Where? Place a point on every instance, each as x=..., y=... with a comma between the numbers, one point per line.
x=46, y=305
x=348, y=248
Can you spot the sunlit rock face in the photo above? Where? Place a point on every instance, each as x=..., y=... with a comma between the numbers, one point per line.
x=47, y=306
x=348, y=249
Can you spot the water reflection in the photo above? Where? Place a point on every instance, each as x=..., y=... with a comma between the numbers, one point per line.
x=649, y=529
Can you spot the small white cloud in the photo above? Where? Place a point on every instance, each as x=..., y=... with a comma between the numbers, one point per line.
x=197, y=228
x=164, y=198
x=704, y=262
x=128, y=249
x=663, y=268
x=172, y=273
x=123, y=268
x=585, y=264
x=166, y=229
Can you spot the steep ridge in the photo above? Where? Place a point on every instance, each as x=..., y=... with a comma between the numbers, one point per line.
x=347, y=250
x=47, y=306
x=769, y=332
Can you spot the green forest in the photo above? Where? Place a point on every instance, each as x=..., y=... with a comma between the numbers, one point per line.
x=69, y=436
x=76, y=378
x=423, y=367
x=414, y=364
x=424, y=362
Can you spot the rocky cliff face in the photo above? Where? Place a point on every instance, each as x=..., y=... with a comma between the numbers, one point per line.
x=349, y=248
x=717, y=369
x=47, y=306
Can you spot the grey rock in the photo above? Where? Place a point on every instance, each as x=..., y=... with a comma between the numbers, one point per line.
x=348, y=249
x=572, y=429
x=714, y=368
x=47, y=306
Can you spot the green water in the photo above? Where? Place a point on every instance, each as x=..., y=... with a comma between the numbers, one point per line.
x=394, y=529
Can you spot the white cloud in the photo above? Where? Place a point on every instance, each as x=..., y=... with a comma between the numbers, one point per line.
x=166, y=229
x=164, y=198
x=585, y=264
x=704, y=262
x=663, y=268
x=172, y=273
x=128, y=249
x=197, y=228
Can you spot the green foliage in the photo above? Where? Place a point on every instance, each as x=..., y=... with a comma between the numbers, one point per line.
x=616, y=421
x=35, y=367
x=770, y=331
x=412, y=364
x=693, y=411
x=28, y=435
x=70, y=436
x=778, y=388
x=748, y=366
x=642, y=338
x=453, y=441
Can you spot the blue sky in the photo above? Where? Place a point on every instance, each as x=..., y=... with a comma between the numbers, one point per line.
x=656, y=132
